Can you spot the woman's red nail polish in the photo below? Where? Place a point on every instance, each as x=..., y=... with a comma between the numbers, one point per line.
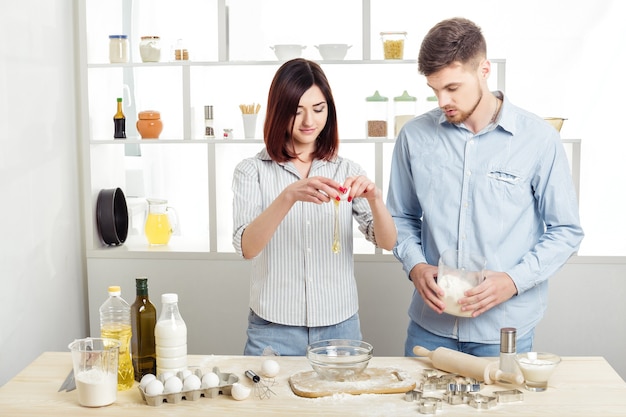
x=338, y=198
x=349, y=199
x=364, y=191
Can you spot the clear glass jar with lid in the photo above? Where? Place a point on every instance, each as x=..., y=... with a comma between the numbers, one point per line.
x=118, y=49
x=393, y=44
x=404, y=108
x=377, y=108
x=150, y=48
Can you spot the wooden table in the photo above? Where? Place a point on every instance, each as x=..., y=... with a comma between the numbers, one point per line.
x=580, y=386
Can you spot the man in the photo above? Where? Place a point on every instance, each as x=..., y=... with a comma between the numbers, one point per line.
x=479, y=175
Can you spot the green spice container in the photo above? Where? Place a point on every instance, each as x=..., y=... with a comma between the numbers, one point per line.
x=377, y=107
x=404, y=107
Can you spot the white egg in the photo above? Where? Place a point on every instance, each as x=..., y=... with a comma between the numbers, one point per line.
x=165, y=376
x=192, y=382
x=239, y=391
x=210, y=380
x=185, y=374
x=154, y=387
x=145, y=380
x=270, y=368
x=172, y=385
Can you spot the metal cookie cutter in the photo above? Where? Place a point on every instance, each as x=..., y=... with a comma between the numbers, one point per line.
x=483, y=402
x=509, y=396
x=429, y=405
x=413, y=395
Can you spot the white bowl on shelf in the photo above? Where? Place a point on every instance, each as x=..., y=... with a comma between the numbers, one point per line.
x=333, y=51
x=285, y=52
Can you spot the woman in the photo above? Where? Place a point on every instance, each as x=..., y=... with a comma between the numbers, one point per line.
x=284, y=218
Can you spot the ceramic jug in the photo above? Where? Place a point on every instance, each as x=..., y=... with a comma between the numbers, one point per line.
x=161, y=222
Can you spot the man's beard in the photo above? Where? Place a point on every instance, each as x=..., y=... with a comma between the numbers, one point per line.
x=462, y=116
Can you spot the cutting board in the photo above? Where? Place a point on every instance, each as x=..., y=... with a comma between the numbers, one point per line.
x=372, y=381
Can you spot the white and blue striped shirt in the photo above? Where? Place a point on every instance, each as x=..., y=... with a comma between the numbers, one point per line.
x=297, y=280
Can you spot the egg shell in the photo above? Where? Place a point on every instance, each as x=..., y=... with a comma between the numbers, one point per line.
x=184, y=374
x=270, y=368
x=172, y=385
x=145, y=380
x=165, y=376
x=154, y=387
x=239, y=391
x=192, y=382
x=210, y=380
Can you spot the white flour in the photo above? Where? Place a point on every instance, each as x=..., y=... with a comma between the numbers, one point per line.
x=96, y=388
x=454, y=288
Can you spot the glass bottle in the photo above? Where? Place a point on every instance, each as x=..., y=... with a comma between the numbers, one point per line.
x=209, y=132
x=119, y=121
x=115, y=324
x=170, y=336
x=143, y=317
x=508, y=347
x=376, y=116
x=404, y=110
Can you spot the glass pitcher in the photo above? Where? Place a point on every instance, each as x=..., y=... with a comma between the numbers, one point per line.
x=161, y=222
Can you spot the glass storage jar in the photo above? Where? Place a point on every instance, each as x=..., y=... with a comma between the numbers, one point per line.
x=393, y=44
x=118, y=49
x=404, y=109
x=377, y=115
x=150, y=48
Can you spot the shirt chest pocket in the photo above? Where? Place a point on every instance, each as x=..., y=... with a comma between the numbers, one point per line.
x=511, y=182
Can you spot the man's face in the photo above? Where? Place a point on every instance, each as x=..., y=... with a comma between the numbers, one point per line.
x=458, y=90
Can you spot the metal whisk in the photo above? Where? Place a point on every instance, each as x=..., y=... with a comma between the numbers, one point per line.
x=261, y=387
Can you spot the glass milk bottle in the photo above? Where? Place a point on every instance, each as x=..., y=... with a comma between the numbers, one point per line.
x=376, y=109
x=404, y=108
x=170, y=335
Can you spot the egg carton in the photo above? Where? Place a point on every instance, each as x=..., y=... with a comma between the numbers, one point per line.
x=224, y=387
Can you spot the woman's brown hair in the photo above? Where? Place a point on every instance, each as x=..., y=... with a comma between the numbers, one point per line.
x=291, y=81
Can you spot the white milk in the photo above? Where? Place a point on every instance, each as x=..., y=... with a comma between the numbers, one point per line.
x=96, y=388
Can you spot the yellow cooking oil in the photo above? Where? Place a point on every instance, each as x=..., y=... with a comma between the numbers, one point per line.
x=125, y=372
x=158, y=228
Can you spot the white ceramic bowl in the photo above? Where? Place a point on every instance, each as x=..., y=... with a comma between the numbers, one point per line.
x=333, y=51
x=285, y=52
x=339, y=359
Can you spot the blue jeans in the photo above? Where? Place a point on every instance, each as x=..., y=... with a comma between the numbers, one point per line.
x=293, y=340
x=417, y=335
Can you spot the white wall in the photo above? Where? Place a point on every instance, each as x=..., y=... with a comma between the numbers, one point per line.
x=586, y=314
x=43, y=286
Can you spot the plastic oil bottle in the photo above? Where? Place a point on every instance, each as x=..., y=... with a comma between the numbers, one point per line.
x=143, y=316
x=170, y=335
x=115, y=324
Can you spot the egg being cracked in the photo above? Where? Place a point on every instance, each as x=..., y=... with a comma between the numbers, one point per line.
x=172, y=385
x=154, y=387
x=210, y=380
x=270, y=368
x=145, y=380
x=239, y=391
x=192, y=382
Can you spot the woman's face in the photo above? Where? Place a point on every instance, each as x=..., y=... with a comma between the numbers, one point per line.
x=310, y=118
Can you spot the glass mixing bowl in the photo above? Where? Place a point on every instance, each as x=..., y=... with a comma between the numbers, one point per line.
x=339, y=359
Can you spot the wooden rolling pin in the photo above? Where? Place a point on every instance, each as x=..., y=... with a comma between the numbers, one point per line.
x=481, y=369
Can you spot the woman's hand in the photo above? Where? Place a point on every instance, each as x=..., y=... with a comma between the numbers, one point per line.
x=313, y=190
x=361, y=186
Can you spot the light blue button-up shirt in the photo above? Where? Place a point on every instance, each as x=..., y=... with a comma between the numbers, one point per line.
x=505, y=192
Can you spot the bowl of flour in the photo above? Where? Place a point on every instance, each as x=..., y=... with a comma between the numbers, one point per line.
x=458, y=272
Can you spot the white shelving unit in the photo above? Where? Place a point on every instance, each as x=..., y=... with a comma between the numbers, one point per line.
x=191, y=172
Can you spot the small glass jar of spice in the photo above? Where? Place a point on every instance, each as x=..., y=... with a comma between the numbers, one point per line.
x=377, y=108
